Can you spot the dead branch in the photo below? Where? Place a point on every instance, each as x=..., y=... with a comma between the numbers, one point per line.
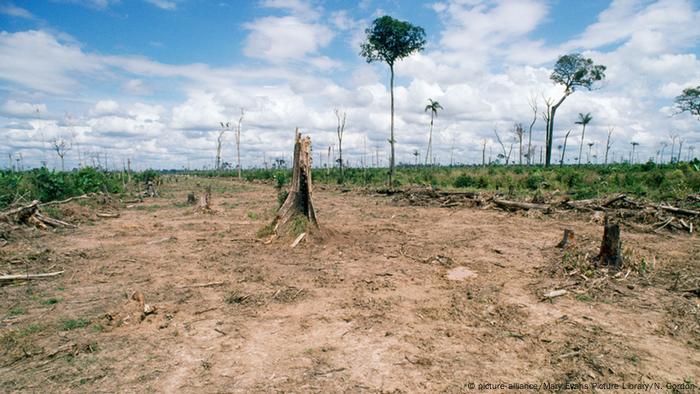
x=30, y=276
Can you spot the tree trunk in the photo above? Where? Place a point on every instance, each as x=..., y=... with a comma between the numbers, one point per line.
x=429, y=152
x=298, y=202
x=391, y=141
x=611, y=247
x=580, y=148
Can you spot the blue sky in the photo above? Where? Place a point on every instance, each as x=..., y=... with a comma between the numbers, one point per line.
x=151, y=79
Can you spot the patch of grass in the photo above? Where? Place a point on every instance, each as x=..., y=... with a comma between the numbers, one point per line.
x=72, y=324
x=148, y=208
x=584, y=297
x=297, y=225
x=97, y=327
x=252, y=215
x=50, y=301
x=16, y=311
x=266, y=231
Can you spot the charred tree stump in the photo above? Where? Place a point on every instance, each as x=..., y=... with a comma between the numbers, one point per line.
x=611, y=247
x=151, y=189
x=567, y=239
x=298, y=205
x=191, y=198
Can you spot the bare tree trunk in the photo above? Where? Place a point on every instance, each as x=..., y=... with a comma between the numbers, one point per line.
x=563, y=152
x=238, y=144
x=391, y=139
x=607, y=145
x=580, y=148
x=429, y=152
x=533, y=106
x=299, y=202
x=483, y=154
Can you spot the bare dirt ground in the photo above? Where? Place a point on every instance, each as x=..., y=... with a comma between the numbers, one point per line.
x=396, y=299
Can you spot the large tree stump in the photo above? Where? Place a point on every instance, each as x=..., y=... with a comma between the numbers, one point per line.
x=299, y=205
x=611, y=247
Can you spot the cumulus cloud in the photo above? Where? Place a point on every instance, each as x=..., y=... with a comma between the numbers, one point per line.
x=283, y=38
x=483, y=68
x=14, y=109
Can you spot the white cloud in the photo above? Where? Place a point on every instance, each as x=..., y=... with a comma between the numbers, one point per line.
x=18, y=12
x=163, y=4
x=283, y=38
x=14, y=109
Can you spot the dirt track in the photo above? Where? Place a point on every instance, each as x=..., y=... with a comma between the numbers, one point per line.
x=368, y=310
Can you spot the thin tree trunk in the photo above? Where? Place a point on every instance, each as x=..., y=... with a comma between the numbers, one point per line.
x=391, y=141
x=563, y=152
x=429, y=153
x=580, y=148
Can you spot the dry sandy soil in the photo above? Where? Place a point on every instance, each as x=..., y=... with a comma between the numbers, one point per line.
x=396, y=299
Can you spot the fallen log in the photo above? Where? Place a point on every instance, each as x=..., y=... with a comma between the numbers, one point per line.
x=107, y=215
x=30, y=276
x=682, y=211
x=53, y=222
x=612, y=200
x=520, y=205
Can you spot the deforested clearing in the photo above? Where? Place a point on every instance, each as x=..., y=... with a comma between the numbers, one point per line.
x=170, y=299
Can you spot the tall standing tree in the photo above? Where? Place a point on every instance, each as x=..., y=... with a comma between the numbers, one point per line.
x=389, y=40
x=219, y=140
x=563, y=152
x=634, y=146
x=519, y=132
x=238, y=143
x=433, y=107
x=588, y=156
x=61, y=146
x=533, y=106
x=573, y=72
x=341, y=129
x=689, y=101
x=607, y=144
x=583, y=120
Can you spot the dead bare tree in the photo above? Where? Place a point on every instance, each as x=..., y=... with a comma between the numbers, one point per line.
x=483, y=153
x=563, y=152
x=518, y=131
x=532, y=101
x=506, y=155
x=238, y=143
x=61, y=146
x=224, y=128
x=340, y=131
x=607, y=144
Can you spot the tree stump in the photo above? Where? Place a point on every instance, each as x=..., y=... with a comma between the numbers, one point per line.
x=204, y=202
x=567, y=239
x=151, y=190
x=298, y=206
x=191, y=198
x=611, y=247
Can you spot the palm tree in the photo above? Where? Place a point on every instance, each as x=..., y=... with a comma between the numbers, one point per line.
x=588, y=157
x=433, y=107
x=583, y=120
x=634, y=145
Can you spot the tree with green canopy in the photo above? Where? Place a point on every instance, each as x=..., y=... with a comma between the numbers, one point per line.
x=583, y=120
x=433, y=107
x=389, y=40
x=689, y=101
x=574, y=72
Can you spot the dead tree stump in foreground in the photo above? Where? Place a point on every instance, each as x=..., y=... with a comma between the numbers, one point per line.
x=299, y=204
x=611, y=247
x=204, y=205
